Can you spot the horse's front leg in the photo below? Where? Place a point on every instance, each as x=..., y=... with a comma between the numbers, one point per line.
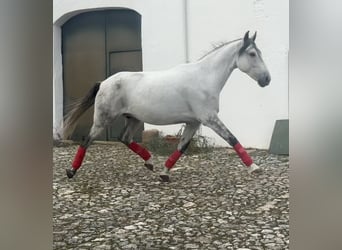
x=217, y=125
x=188, y=133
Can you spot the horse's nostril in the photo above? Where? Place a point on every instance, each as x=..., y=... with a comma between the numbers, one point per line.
x=268, y=79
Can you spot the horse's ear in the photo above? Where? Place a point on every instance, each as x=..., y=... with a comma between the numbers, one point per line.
x=254, y=36
x=246, y=37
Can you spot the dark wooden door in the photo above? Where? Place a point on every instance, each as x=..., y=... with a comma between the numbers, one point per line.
x=123, y=51
x=96, y=45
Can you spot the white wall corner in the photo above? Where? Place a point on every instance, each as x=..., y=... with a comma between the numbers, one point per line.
x=57, y=81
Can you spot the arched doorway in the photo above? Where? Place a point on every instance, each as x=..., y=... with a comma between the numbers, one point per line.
x=96, y=45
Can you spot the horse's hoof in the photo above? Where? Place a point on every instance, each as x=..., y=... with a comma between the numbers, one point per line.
x=70, y=172
x=254, y=169
x=164, y=178
x=149, y=166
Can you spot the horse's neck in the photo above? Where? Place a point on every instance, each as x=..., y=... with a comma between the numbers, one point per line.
x=220, y=65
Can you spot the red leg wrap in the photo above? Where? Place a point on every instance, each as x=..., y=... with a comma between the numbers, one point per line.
x=78, y=157
x=139, y=150
x=246, y=159
x=173, y=159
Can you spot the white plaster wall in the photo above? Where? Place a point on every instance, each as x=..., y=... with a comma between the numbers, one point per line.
x=248, y=110
x=57, y=81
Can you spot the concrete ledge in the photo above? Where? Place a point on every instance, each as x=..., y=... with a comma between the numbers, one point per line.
x=280, y=138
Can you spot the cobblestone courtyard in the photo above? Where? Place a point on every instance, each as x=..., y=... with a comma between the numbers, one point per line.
x=114, y=202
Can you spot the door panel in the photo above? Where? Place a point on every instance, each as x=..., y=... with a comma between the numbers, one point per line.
x=83, y=44
x=123, y=31
x=124, y=61
x=96, y=45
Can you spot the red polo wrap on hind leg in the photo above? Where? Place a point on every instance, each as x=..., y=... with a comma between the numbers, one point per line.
x=76, y=164
x=173, y=159
x=246, y=159
x=139, y=150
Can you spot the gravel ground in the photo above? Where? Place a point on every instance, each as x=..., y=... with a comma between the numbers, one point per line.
x=114, y=202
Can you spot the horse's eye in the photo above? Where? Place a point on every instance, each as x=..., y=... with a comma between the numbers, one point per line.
x=252, y=54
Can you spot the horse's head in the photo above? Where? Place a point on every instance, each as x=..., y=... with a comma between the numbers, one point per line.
x=249, y=60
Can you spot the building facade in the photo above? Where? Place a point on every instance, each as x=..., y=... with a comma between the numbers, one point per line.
x=168, y=33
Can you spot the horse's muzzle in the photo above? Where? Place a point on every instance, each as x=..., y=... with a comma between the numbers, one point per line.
x=264, y=81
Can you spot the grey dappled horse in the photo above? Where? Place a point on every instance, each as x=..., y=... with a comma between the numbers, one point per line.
x=188, y=93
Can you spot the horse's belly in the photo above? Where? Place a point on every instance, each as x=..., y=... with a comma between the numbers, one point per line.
x=166, y=120
x=158, y=103
x=162, y=115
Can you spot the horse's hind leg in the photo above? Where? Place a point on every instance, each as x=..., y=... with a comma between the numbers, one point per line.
x=132, y=125
x=95, y=130
x=189, y=132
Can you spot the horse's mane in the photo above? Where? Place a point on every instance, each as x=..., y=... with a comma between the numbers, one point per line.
x=217, y=46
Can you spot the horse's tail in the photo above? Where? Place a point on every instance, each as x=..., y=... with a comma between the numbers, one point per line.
x=78, y=108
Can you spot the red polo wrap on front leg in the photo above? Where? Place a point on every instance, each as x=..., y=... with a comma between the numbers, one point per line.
x=139, y=150
x=246, y=159
x=173, y=159
x=76, y=164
